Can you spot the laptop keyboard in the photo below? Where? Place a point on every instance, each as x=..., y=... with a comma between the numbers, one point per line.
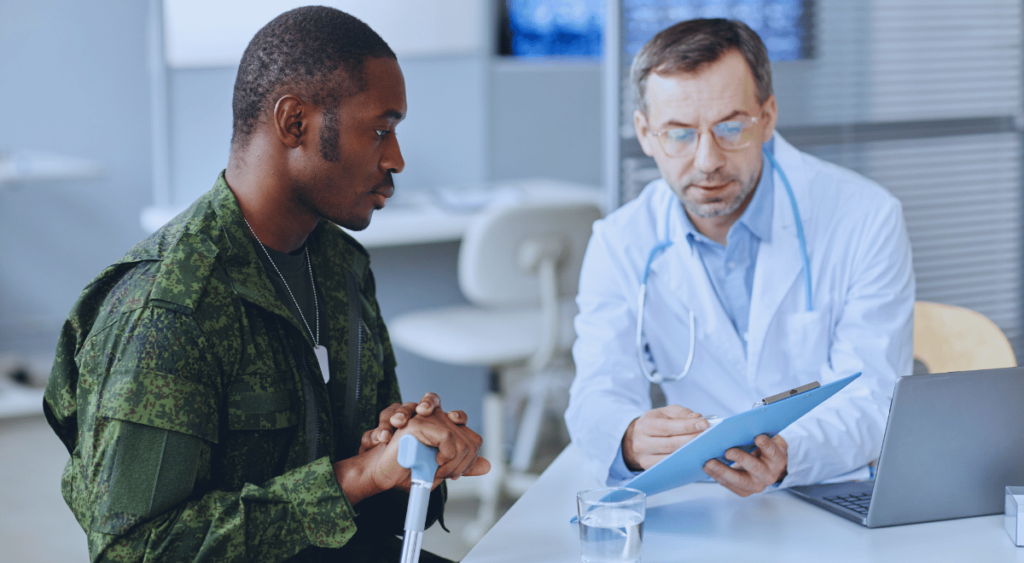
x=858, y=502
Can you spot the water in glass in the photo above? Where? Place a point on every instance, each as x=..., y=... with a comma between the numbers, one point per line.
x=611, y=535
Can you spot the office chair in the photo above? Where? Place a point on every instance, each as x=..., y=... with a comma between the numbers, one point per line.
x=949, y=338
x=519, y=268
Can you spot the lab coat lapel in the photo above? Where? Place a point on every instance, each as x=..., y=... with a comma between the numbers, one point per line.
x=683, y=272
x=779, y=261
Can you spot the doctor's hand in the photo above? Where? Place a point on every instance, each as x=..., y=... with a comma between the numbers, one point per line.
x=397, y=416
x=753, y=471
x=658, y=433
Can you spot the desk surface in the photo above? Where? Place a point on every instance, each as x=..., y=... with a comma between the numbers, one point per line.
x=705, y=522
x=424, y=216
x=416, y=216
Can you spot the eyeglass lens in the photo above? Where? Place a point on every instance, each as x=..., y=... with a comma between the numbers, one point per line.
x=730, y=135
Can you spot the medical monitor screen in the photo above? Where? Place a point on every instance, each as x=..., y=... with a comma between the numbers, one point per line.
x=784, y=25
x=575, y=28
x=552, y=28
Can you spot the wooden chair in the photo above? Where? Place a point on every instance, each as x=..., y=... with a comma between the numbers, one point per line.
x=949, y=338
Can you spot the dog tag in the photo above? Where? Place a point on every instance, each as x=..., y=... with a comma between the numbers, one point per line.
x=321, y=358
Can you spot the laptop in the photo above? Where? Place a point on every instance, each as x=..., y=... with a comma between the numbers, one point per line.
x=953, y=443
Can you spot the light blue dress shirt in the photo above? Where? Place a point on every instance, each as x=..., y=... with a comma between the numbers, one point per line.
x=731, y=267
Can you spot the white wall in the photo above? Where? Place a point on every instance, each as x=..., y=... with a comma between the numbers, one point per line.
x=74, y=83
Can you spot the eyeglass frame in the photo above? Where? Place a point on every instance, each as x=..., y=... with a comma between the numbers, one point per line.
x=662, y=135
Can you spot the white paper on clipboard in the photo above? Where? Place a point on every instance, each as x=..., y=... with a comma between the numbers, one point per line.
x=686, y=465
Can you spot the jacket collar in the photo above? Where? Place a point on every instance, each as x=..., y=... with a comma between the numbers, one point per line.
x=249, y=278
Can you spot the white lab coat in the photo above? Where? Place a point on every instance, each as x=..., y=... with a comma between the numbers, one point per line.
x=862, y=319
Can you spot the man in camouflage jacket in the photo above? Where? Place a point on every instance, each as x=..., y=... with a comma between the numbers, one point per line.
x=188, y=394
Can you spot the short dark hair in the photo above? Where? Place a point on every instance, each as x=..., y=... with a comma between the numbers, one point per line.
x=302, y=50
x=689, y=45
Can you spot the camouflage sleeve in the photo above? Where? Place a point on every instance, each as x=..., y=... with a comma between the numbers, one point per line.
x=141, y=480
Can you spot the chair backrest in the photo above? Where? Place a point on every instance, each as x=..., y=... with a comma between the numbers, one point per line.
x=502, y=243
x=949, y=338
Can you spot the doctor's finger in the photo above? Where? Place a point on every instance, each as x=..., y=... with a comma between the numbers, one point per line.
x=768, y=449
x=762, y=469
x=740, y=482
x=647, y=445
x=775, y=455
x=672, y=426
x=673, y=411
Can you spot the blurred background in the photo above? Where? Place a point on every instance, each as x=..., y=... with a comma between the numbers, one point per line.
x=118, y=115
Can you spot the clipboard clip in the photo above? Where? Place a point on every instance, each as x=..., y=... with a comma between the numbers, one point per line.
x=787, y=394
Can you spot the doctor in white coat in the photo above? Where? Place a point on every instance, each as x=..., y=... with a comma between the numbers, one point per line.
x=730, y=315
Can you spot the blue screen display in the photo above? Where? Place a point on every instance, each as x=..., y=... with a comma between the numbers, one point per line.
x=553, y=28
x=574, y=28
x=781, y=24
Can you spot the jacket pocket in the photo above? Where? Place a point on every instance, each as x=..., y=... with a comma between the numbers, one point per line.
x=808, y=337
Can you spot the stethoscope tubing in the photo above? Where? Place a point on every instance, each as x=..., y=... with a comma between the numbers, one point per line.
x=654, y=376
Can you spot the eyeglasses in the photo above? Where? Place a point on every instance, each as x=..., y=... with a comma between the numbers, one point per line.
x=731, y=135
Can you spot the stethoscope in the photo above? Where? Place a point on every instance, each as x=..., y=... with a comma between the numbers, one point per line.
x=641, y=348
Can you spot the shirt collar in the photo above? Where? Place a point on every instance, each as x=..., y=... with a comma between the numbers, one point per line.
x=757, y=217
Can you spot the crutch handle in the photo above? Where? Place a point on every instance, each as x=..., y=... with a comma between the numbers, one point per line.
x=422, y=460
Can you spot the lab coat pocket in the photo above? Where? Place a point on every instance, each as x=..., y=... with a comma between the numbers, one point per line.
x=808, y=341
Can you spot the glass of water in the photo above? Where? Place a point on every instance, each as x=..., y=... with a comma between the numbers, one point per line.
x=611, y=524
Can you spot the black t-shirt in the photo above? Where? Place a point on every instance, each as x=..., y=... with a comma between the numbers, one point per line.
x=295, y=269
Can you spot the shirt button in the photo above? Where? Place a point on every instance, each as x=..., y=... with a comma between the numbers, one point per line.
x=731, y=265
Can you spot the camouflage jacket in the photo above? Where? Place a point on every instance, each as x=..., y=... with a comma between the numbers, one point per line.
x=192, y=404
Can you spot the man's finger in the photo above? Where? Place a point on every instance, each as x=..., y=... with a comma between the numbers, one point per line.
x=469, y=442
x=428, y=403
x=458, y=417
x=480, y=467
x=457, y=446
x=398, y=415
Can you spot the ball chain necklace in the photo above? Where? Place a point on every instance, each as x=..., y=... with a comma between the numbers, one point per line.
x=316, y=307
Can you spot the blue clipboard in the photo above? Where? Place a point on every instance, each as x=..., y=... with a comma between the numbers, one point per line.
x=686, y=465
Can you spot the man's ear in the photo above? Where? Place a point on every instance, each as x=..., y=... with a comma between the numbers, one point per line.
x=771, y=115
x=291, y=120
x=643, y=132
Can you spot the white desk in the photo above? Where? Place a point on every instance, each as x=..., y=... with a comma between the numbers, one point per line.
x=705, y=522
x=26, y=166
x=423, y=216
